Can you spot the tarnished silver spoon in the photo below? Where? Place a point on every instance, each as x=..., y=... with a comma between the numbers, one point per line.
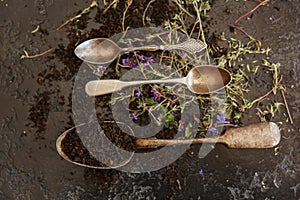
x=203, y=79
x=104, y=50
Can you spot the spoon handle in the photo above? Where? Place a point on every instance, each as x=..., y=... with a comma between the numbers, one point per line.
x=261, y=135
x=143, y=48
x=101, y=87
x=191, y=46
x=142, y=143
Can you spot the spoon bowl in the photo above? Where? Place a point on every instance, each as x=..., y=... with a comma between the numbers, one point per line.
x=207, y=79
x=202, y=79
x=98, y=51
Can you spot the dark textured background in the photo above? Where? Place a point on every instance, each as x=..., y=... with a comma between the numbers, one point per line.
x=34, y=112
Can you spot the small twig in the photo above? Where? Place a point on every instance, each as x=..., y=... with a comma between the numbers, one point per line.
x=200, y=32
x=251, y=11
x=127, y=5
x=86, y=10
x=240, y=29
x=36, y=55
x=145, y=11
x=180, y=5
x=115, y=2
x=267, y=94
x=36, y=29
x=287, y=107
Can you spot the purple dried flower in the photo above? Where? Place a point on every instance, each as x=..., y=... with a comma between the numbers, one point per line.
x=176, y=75
x=201, y=172
x=125, y=61
x=132, y=116
x=213, y=130
x=129, y=63
x=156, y=95
x=137, y=93
x=99, y=69
x=140, y=57
x=221, y=119
x=146, y=61
x=151, y=61
x=153, y=90
x=180, y=126
x=133, y=64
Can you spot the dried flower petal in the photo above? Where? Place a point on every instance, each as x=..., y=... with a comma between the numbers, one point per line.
x=201, y=172
x=99, y=69
x=180, y=126
x=132, y=116
x=156, y=95
x=221, y=119
x=137, y=93
x=213, y=130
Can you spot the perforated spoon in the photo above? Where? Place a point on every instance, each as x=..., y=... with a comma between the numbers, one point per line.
x=203, y=79
x=103, y=50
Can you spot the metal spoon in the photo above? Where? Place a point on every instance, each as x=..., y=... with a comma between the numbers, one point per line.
x=103, y=50
x=261, y=135
x=200, y=80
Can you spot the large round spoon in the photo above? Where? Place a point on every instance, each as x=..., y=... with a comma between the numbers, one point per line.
x=261, y=135
x=200, y=80
x=103, y=50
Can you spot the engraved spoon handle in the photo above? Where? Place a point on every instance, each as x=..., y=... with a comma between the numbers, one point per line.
x=190, y=45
